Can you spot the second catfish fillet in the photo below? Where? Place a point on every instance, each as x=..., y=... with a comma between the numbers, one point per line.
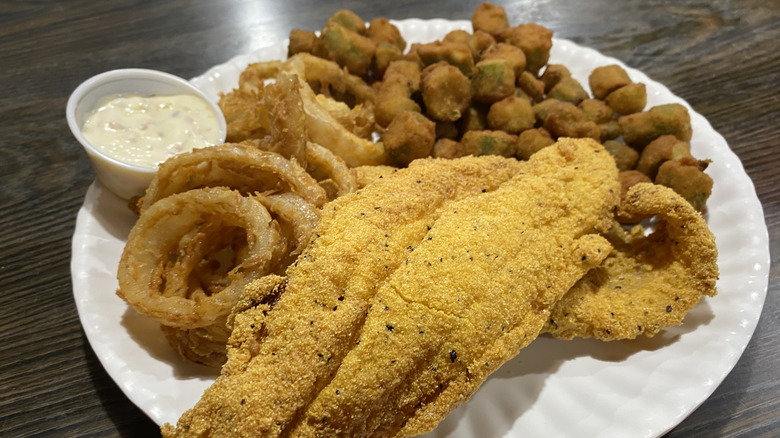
x=278, y=364
x=476, y=289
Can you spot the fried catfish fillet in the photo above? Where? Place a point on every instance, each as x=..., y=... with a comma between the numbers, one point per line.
x=410, y=297
x=649, y=282
x=277, y=365
x=469, y=296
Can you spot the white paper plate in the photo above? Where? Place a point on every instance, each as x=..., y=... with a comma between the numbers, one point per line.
x=580, y=388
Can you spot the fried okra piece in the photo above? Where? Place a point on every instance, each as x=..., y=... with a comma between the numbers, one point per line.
x=394, y=96
x=459, y=36
x=609, y=130
x=660, y=150
x=625, y=156
x=474, y=118
x=349, y=20
x=606, y=79
x=489, y=143
x=390, y=45
x=409, y=69
x=457, y=54
x=447, y=130
x=391, y=101
x=568, y=90
x=448, y=148
x=553, y=74
x=489, y=18
x=686, y=177
x=446, y=91
x=628, y=99
x=596, y=110
x=511, y=114
x=346, y=47
x=532, y=141
x=479, y=42
x=641, y=128
x=384, y=55
x=493, y=80
x=513, y=55
x=542, y=108
x=301, y=41
x=566, y=120
x=523, y=95
x=381, y=30
x=408, y=137
x=412, y=55
x=531, y=86
x=534, y=40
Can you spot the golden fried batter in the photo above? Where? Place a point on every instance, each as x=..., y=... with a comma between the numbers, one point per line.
x=277, y=364
x=475, y=290
x=649, y=282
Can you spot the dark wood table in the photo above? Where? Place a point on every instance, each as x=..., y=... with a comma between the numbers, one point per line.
x=721, y=56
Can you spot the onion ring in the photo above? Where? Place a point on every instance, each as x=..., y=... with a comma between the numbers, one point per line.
x=239, y=166
x=255, y=74
x=322, y=127
x=288, y=120
x=323, y=161
x=295, y=214
x=157, y=237
x=331, y=78
x=203, y=345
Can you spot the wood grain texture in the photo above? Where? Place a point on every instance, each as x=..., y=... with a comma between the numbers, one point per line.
x=721, y=56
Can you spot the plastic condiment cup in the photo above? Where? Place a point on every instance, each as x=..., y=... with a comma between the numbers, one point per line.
x=124, y=179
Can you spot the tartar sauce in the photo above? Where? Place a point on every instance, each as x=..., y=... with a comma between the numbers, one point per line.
x=147, y=130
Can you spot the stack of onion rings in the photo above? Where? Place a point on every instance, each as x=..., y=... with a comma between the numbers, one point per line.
x=212, y=222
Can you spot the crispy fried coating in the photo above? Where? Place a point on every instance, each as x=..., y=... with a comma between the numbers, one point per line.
x=639, y=129
x=493, y=80
x=687, y=178
x=346, y=47
x=277, y=364
x=474, y=292
x=489, y=18
x=568, y=90
x=416, y=289
x=606, y=79
x=553, y=73
x=203, y=345
x=532, y=141
x=513, y=54
x=408, y=137
x=457, y=54
x=535, y=40
x=446, y=91
x=625, y=156
x=628, y=99
x=365, y=175
x=321, y=126
x=648, y=282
